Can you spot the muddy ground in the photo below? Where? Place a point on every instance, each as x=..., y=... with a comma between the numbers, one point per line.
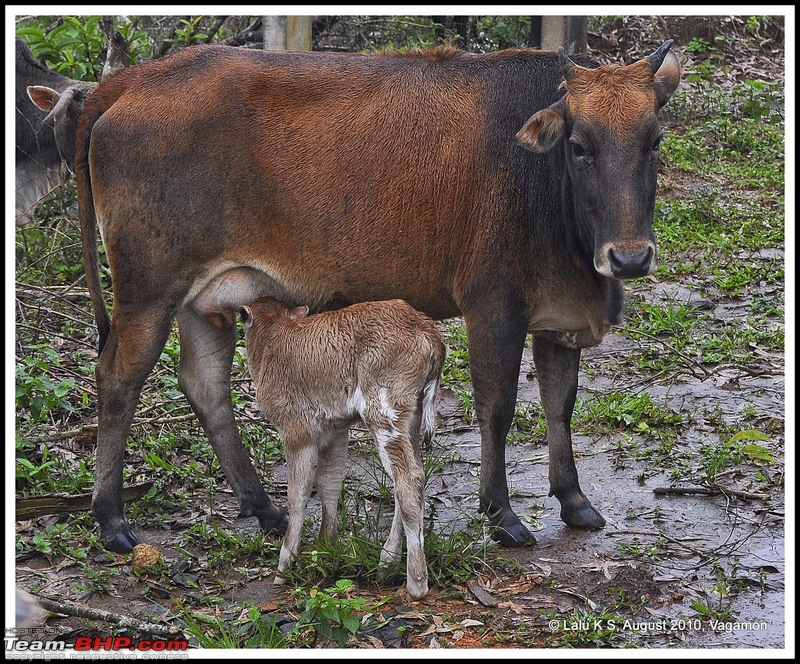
x=646, y=576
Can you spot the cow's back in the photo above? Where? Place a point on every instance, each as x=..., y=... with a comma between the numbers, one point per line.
x=404, y=162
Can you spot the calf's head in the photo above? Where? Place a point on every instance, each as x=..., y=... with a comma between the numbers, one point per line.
x=607, y=122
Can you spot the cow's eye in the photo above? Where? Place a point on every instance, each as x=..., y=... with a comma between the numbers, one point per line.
x=578, y=150
x=656, y=144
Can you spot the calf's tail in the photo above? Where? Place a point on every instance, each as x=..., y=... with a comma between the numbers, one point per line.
x=428, y=424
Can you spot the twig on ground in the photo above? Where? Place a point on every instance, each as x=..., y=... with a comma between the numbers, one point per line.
x=80, y=611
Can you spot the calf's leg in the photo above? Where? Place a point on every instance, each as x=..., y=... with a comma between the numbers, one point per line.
x=301, y=458
x=205, y=378
x=400, y=454
x=557, y=370
x=331, y=468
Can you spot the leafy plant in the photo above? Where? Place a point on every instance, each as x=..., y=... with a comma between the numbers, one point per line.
x=188, y=34
x=332, y=614
x=74, y=46
x=717, y=457
x=36, y=392
x=252, y=629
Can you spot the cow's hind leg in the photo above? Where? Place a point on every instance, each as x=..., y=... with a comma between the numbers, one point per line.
x=131, y=351
x=205, y=378
x=557, y=370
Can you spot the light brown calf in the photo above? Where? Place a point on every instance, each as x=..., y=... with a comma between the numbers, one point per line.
x=315, y=376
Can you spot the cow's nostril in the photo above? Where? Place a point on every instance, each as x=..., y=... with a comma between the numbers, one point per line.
x=627, y=265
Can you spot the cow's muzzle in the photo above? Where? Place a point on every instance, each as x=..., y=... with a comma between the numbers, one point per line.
x=621, y=262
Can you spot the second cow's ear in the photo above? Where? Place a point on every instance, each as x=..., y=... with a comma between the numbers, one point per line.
x=43, y=97
x=297, y=312
x=246, y=316
x=544, y=129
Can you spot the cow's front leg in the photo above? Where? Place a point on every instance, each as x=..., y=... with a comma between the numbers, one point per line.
x=557, y=370
x=205, y=378
x=496, y=338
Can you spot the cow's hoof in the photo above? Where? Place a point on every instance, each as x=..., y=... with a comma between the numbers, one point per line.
x=586, y=517
x=513, y=535
x=122, y=541
x=275, y=522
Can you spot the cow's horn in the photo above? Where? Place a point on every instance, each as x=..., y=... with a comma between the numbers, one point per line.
x=656, y=58
x=567, y=65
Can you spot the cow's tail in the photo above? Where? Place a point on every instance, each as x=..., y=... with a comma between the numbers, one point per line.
x=91, y=113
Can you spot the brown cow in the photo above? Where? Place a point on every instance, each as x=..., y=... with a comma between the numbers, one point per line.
x=328, y=179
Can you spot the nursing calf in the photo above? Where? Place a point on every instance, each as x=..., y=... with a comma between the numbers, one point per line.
x=315, y=376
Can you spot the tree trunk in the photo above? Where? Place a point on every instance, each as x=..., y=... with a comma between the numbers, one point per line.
x=287, y=33
x=566, y=31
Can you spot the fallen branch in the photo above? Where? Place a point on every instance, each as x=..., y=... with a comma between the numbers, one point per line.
x=79, y=611
x=667, y=538
x=33, y=508
x=707, y=491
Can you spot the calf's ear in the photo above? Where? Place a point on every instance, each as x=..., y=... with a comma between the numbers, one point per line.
x=297, y=312
x=246, y=316
x=544, y=129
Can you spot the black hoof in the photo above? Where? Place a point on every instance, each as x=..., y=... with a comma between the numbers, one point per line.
x=275, y=523
x=513, y=535
x=122, y=541
x=586, y=517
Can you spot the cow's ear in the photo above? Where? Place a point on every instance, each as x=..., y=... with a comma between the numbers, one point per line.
x=246, y=316
x=297, y=312
x=544, y=129
x=666, y=79
x=43, y=97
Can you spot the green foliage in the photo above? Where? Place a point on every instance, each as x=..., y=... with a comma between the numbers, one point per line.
x=59, y=540
x=735, y=450
x=594, y=630
x=499, y=32
x=617, y=411
x=697, y=45
x=73, y=47
x=331, y=614
x=37, y=393
x=188, y=34
x=252, y=629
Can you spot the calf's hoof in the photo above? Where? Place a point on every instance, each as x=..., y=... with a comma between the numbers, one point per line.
x=417, y=589
x=586, y=517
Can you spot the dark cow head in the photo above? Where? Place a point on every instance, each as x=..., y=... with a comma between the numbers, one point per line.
x=608, y=124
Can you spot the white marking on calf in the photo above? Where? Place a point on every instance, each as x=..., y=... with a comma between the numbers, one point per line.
x=357, y=403
x=386, y=408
